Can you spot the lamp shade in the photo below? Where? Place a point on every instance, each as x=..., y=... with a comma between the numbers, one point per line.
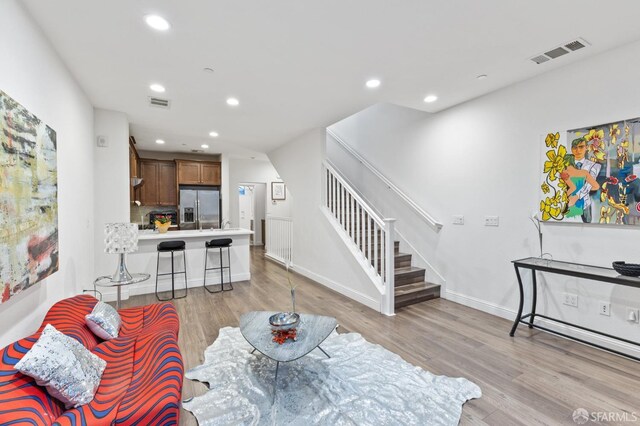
x=120, y=237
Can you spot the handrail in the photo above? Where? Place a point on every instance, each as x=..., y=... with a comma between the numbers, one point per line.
x=369, y=237
x=365, y=205
x=436, y=225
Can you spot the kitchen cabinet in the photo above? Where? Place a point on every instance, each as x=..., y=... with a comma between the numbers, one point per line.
x=158, y=183
x=134, y=169
x=198, y=172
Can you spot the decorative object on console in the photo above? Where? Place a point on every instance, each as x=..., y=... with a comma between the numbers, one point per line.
x=592, y=176
x=284, y=320
x=104, y=321
x=278, y=191
x=121, y=238
x=536, y=222
x=627, y=269
x=69, y=371
x=28, y=199
x=361, y=383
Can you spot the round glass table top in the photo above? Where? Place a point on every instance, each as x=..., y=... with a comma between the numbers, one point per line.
x=105, y=281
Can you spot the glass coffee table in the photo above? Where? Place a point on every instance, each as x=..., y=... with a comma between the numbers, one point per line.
x=311, y=332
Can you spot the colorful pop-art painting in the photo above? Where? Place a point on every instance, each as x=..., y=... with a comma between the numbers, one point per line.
x=592, y=175
x=28, y=199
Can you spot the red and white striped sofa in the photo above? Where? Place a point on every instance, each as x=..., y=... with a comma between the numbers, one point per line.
x=141, y=385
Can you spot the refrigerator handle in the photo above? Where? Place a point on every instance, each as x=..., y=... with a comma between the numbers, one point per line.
x=198, y=215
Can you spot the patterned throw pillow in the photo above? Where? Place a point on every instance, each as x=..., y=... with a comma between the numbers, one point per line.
x=104, y=321
x=69, y=371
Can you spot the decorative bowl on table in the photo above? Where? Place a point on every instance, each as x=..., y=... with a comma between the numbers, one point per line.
x=284, y=320
x=627, y=269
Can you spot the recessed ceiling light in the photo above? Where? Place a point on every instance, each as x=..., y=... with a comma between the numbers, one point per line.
x=431, y=98
x=373, y=83
x=204, y=145
x=233, y=102
x=481, y=77
x=159, y=141
x=214, y=134
x=157, y=22
x=158, y=88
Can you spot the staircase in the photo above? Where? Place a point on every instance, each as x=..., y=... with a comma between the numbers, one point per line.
x=410, y=286
x=371, y=239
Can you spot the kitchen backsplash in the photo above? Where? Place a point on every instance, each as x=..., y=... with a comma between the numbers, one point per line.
x=138, y=212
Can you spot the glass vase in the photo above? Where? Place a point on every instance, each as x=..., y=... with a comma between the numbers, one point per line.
x=293, y=299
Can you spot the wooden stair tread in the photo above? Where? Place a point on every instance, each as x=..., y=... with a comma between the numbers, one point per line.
x=408, y=270
x=414, y=288
x=415, y=293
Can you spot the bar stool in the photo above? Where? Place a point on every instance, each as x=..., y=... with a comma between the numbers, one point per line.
x=219, y=243
x=172, y=247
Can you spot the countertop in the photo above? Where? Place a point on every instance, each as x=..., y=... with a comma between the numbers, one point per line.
x=174, y=235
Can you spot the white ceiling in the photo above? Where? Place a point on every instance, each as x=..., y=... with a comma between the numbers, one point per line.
x=298, y=65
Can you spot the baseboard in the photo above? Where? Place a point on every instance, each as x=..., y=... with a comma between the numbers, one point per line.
x=149, y=287
x=479, y=304
x=510, y=314
x=346, y=291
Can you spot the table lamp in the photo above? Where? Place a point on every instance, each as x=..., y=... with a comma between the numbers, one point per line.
x=121, y=238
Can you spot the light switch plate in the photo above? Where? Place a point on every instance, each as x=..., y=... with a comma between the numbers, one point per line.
x=491, y=221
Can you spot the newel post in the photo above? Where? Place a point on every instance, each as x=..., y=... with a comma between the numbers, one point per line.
x=388, y=299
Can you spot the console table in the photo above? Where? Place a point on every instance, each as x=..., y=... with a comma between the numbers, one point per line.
x=589, y=272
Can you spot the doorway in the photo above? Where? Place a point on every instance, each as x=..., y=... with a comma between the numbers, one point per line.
x=252, y=209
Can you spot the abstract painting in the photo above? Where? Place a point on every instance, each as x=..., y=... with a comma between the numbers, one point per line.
x=28, y=199
x=592, y=175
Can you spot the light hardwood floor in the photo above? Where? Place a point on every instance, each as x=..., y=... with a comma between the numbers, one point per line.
x=532, y=379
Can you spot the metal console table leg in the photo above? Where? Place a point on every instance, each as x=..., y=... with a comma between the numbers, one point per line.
x=520, y=305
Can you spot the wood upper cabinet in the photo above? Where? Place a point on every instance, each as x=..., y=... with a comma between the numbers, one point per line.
x=210, y=173
x=159, y=183
x=167, y=189
x=134, y=169
x=188, y=172
x=198, y=172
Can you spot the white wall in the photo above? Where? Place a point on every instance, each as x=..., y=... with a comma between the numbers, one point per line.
x=254, y=171
x=484, y=157
x=111, y=185
x=318, y=251
x=33, y=74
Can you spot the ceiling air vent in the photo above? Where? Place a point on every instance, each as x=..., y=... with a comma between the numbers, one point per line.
x=565, y=48
x=540, y=59
x=197, y=151
x=159, y=102
x=575, y=45
x=556, y=53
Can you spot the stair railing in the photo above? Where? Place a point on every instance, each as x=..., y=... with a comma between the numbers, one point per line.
x=279, y=236
x=369, y=236
x=436, y=225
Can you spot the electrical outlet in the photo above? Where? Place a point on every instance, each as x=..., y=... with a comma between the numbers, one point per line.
x=458, y=220
x=491, y=221
x=570, y=299
x=604, y=308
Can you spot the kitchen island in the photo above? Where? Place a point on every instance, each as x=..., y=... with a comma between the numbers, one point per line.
x=144, y=260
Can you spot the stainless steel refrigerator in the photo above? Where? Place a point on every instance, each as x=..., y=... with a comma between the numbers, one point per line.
x=199, y=207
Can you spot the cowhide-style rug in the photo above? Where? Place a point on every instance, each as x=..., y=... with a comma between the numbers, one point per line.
x=361, y=384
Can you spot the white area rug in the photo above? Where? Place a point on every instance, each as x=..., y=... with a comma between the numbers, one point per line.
x=361, y=384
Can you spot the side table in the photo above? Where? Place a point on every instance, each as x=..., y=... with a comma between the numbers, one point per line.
x=106, y=281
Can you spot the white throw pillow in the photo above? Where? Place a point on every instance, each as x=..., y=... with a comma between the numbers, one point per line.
x=69, y=371
x=104, y=321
